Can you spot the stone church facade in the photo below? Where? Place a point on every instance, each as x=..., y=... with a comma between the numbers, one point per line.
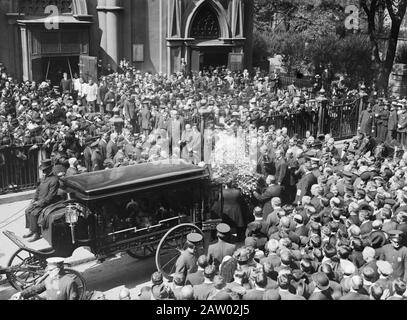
x=43, y=38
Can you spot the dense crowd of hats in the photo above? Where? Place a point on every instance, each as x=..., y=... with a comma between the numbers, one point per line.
x=344, y=238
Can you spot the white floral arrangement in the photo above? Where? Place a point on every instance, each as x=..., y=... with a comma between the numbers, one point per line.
x=232, y=163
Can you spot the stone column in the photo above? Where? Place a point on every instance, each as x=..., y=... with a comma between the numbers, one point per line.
x=103, y=28
x=25, y=54
x=110, y=28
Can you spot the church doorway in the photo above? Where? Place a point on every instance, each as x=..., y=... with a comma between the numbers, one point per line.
x=53, y=68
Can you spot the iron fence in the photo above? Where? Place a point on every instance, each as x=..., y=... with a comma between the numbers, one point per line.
x=304, y=82
x=19, y=164
x=340, y=118
x=296, y=123
x=18, y=168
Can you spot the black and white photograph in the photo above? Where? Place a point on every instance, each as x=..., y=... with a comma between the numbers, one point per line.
x=215, y=151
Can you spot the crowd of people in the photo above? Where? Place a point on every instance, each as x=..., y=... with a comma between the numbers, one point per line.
x=329, y=223
x=138, y=117
x=338, y=233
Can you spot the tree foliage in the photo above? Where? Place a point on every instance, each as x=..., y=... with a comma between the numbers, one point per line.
x=374, y=10
x=311, y=37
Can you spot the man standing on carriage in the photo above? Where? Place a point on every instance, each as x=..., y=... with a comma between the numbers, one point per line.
x=45, y=195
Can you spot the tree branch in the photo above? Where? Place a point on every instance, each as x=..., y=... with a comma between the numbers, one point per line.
x=389, y=5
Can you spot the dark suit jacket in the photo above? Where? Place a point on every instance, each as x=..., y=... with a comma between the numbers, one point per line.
x=354, y=296
x=202, y=291
x=129, y=109
x=324, y=295
x=195, y=278
x=219, y=250
x=271, y=192
x=281, y=171
x=254, y=294
x=111, y=150
x=304, y=186
x=103, y=149
x=286, y=295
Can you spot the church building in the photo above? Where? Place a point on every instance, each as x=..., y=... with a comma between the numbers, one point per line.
x=41, y=39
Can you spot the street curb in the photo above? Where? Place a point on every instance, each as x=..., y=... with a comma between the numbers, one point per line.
x=16, y=197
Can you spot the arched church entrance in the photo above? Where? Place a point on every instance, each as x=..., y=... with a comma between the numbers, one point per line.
x=207, y=49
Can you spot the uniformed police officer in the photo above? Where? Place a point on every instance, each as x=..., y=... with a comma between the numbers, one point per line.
x=186, y=262
x=396, y=254
x=57, y=286
x=221, y=249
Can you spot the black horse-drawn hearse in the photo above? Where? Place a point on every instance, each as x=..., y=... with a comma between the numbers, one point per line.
x=144, y=210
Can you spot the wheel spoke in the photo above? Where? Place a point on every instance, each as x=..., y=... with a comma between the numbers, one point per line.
x=172, y=259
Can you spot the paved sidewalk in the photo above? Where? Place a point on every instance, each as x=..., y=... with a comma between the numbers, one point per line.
x=16, y=197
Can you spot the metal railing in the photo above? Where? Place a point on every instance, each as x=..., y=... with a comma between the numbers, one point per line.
x=18, y=168
x=287, y=79
x=339, y=118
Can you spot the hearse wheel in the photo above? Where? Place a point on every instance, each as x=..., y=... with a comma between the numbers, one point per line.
x=170, y=247
x=32, y=268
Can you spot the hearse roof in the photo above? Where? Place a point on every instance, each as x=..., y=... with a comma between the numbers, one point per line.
x=123, y=180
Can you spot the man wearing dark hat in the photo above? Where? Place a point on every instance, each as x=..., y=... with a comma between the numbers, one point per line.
x=186, y=262
x=221, y=249
x=45, y=195
x=322, y=287
x=396, y=254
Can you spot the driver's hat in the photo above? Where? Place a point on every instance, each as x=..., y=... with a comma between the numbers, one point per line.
x=55, y=262
x=194, y=238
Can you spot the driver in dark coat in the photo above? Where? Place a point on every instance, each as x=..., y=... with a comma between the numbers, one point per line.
x=45, y=195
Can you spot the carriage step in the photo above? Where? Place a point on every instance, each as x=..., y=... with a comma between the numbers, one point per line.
x=20, y=243
x=15, y=239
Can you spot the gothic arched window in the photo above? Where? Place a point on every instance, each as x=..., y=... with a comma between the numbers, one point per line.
x=205, y=25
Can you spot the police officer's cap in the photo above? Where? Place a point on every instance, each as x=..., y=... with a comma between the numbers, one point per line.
x=223, y=228
x=194, y=237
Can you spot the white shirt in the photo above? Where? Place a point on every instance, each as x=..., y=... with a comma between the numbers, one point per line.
x=91, y=92
x=76, y=84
